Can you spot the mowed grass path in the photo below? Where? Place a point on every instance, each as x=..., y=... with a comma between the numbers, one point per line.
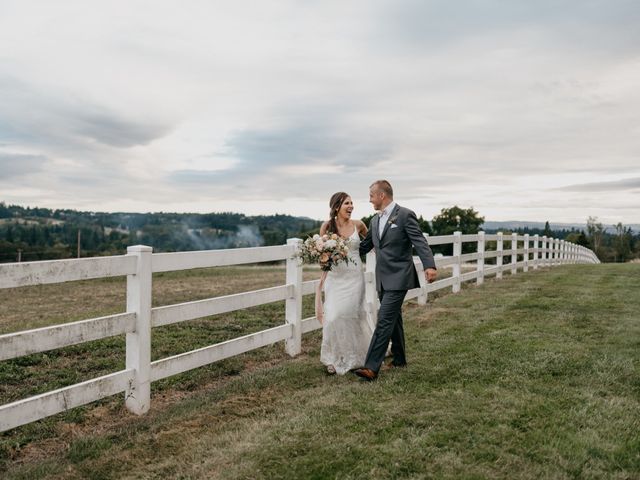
x=535, y=376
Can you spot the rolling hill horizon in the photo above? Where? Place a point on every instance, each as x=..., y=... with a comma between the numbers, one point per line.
x=487, y=225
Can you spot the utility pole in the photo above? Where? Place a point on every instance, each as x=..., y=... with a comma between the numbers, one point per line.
x=19, y=255
x=78, y=243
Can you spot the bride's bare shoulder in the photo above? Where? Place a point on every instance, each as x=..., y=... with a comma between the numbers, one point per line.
x=360, y=226
x=324, y=227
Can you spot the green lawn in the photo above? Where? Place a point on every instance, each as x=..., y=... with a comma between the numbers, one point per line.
x=534, y=376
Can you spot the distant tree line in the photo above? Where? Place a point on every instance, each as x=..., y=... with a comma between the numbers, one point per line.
x=44, y=234
x=620, y=246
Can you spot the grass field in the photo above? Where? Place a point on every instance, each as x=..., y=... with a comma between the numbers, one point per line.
x=535, y=376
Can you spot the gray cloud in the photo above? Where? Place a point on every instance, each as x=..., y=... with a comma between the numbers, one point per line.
x=598, y=23
x=17, y=165
x=613, y=186
x=63, y=121
x=115, y=130
x=270, y=157
x=306, y=144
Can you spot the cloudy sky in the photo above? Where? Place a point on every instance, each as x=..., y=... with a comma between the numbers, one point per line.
x=524, y=110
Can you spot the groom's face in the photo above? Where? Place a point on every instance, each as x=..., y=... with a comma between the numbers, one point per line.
x=376, y=198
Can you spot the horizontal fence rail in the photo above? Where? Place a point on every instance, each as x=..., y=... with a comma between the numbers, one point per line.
x=511, y=253
x=14, y=345
x=57, y=271
x=215, y=306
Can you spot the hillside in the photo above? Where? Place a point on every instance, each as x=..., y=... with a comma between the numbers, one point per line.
x=43, y=234
x=28, y=234
x=521, y=225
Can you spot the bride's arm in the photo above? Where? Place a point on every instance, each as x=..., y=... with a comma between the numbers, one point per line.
x=367, y=243
x=324, y=228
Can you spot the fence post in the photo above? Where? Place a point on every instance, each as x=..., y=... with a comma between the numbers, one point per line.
x=514, y=253
x=526, y=252
x=457, y=251
x=370, y=290
x=543, y=252
x=422, y=298
x=138, y=356
x=560, y=252
x=480, y=262
x=293, y=306
x=536, y=248
x=499, y=259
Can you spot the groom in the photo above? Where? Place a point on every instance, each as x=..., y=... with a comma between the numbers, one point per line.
x=392, y=233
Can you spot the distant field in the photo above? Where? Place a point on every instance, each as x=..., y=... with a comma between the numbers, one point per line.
x=535, y=376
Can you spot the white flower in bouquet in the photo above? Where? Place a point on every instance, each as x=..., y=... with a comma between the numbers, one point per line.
x=330, y=244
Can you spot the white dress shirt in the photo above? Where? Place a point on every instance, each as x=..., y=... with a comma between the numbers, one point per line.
x=384, y=216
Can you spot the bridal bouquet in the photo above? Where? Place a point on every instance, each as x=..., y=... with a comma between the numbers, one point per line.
x=326, y=250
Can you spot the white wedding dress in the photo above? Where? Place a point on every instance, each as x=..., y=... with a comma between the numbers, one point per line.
x=347, y=328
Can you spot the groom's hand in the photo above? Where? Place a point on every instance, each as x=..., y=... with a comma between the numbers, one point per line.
x=431, y=274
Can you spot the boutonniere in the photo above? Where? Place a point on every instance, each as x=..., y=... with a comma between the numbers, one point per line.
x=392, y=220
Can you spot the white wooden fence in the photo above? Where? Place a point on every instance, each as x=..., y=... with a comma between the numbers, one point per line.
x=139, y=318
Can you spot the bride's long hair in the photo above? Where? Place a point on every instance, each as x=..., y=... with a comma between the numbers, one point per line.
x=336, y=201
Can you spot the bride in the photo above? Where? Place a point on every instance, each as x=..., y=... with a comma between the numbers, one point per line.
x=346, y=329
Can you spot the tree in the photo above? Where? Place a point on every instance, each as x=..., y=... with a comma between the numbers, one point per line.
x=582, y=240
x=424, y=225
x=623, y=243
x=595, y=231
x=456, y=219
x=547, y=230
x=4, y=211
x=367, y=220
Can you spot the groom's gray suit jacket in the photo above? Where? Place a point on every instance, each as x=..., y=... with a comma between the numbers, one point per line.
x=394, y=259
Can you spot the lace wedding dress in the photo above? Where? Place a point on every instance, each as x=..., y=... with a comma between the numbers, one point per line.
x=347, y=329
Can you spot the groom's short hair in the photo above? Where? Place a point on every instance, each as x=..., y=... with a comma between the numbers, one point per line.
x=383, y=186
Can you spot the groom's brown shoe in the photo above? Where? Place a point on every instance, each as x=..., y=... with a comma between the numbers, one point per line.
x=366, y=374
x=392, y=366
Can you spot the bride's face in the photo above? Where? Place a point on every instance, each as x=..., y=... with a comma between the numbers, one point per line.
x=346, y=208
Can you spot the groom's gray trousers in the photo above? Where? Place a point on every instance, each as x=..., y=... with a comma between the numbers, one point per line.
x=389, y=328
